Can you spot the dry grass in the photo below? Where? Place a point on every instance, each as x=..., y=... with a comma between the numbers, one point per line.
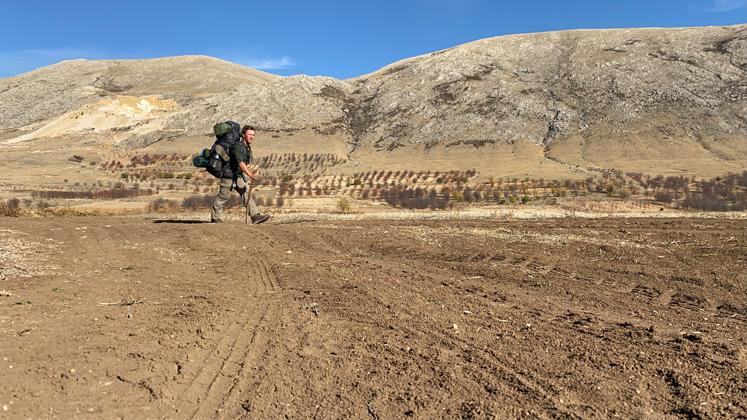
x=327, y=208
x=22, y=257
x=483, y=214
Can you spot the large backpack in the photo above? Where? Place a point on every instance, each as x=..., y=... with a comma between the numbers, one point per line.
x=227, y=134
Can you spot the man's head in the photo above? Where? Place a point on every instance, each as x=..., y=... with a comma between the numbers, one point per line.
x=247, y=134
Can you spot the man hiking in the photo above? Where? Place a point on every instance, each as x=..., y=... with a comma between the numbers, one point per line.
x=241, y=155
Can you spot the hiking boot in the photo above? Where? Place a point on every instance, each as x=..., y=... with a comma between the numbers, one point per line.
x=217, y=221
x=260, y=218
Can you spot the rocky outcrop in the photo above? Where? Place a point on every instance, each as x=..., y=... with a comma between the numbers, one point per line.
x=287, y=104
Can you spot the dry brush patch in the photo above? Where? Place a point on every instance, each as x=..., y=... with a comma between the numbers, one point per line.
x=21, y=257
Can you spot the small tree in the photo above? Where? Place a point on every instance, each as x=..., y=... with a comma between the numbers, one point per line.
x=610, y=187
x=343, y=204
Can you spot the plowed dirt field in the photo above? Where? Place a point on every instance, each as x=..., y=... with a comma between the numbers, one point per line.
x=554, y=318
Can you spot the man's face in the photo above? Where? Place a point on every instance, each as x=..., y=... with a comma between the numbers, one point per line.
x=249, y=136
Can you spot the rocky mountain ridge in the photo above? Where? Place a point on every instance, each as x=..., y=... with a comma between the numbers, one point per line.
x=578, y=96
x=50, y=92
x=535, y=87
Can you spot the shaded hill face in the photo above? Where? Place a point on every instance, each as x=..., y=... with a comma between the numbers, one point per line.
x=645, y=100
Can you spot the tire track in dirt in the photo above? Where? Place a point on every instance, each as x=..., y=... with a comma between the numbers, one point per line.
x=527, y=385
x=491, y=372
x=207, y=393
x=232, y=399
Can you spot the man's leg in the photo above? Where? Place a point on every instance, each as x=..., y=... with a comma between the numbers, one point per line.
x=223, y=195
x=242, y=187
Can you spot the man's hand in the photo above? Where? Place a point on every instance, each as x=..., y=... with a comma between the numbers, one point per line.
x=245, y=170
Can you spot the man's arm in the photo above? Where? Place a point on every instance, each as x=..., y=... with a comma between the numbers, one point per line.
x=245, y=169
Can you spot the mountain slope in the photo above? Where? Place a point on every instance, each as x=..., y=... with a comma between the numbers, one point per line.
x=646, y=100
x=541, y=87
x=50, y=92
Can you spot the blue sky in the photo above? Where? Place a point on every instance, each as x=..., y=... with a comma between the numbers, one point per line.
x=337, y=38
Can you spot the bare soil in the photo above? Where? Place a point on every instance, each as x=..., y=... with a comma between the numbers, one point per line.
x=554, y=318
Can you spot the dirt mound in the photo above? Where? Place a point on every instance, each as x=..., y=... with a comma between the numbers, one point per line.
x=569, y=318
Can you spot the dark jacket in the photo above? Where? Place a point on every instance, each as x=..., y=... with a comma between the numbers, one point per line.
x=240, y=153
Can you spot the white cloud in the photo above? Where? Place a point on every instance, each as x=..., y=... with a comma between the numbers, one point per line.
x=21, y=61
x=726, y=5
x=266, y=63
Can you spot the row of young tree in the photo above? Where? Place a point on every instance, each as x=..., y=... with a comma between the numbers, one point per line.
x=205, y=201
x=103, y=194
x=411, y=177
x=134, y=160
x=722, y=193
x=298, y=163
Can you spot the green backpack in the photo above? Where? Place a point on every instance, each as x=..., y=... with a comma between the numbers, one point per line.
x=215, y=160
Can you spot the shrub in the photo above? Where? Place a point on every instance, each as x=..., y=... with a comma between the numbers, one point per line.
x=468, y=195
x=414, y=203
x=715, y=203
x=343, y=204
x=283, y=189
x=198, y=202
x=664, y=197
x=437, y=203
x=10, y=208
x=162, y=205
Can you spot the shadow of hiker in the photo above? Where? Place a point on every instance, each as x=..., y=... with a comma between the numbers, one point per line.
x=185, y=222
